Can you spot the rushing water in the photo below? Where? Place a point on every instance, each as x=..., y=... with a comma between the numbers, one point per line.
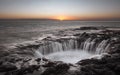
x=72, y=50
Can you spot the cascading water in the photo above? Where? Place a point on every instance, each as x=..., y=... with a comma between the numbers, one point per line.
x=71, y=50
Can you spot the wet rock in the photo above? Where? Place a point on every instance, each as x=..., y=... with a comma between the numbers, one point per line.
x=5, y=67
x=4, y=53
x=97, y=70
x=78, y=34
x=13, y=59
x=38, y=59
x=91, y=61
x=32, y=68
x=62, y=67
x=1, y=62
x=49, y=64
x=27, y=59
x=57, y=69
x=44, y=59
x=115, y=50
x=88, y=28
x=117, y=69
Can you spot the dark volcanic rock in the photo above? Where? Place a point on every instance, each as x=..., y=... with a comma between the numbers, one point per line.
x=5, y=67
x=117, y=69
x=56, y=69
x=49, y=64
x=92, y=61
x=87, y=28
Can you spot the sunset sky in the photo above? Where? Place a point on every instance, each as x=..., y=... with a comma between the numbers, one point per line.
x=60, y=9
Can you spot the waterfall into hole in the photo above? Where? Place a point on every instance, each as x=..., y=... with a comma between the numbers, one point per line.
x=72, y=50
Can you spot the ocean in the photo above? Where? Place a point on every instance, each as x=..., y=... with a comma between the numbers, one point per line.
x=41, y=46
x=16, y=31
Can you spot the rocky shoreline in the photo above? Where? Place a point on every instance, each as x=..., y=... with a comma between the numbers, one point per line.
x=20, y=60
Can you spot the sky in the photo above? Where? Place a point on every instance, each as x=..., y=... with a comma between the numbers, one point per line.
x=60, y=9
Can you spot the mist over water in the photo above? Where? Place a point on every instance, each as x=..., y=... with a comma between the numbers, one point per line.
x=72, y=50
x=72, y=56
x=69, y=56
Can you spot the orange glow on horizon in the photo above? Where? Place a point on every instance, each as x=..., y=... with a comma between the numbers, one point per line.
x=32, y=16
x=61, y=18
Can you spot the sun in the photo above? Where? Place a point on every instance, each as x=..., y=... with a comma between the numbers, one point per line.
x=61, y=18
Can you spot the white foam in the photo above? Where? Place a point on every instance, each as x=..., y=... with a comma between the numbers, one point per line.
x=98, y=56
x=69, y=56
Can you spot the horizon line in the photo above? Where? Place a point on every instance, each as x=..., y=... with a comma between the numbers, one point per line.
x=56, y=19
